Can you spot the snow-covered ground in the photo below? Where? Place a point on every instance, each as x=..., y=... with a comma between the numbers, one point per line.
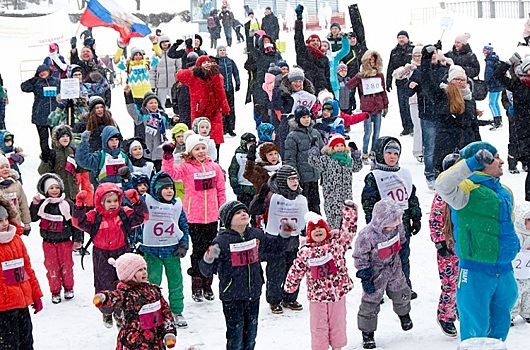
x=77, y=323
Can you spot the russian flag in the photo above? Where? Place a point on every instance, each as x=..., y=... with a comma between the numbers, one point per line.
x=106, y=13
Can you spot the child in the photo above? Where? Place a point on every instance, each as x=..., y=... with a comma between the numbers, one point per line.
x=147, y=321
x=298, y=141
x=379, y=268
x=178, y=139
x=12, y=189
x=14, y=154
x=388, y=180
x=258, y=171
x=109, y=225
x=243, y=188
x=522, y=227
x=347, y=103
x=19, y=284
x=337, y=163
x=62, y=160
x=54, y=213
x=204, y=182
x=322, y=260
x=277, y=205
x=104, y=164
x=330, y=123
x=202, y=126
x=371, y=83
x=136, y=150
x=235, y=256
x=165, y=240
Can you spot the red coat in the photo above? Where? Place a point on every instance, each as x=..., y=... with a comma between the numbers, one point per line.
x=207, y=99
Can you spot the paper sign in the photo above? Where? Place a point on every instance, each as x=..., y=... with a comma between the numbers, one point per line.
x=69, y=88
x=446, y=23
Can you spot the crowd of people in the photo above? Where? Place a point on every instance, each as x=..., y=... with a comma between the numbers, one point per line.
x=144, y=202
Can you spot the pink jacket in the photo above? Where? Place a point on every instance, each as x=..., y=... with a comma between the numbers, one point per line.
x=325, y=285
x=204, y=185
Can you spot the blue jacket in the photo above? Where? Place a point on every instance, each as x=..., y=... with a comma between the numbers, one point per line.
x=241, y=282
x=228, y=68
x=493, y=86
x=45, y=100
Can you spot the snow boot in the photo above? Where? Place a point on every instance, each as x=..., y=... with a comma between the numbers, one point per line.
x=497, y=123
x=107, y=320
x=118, y=317
x=69, y=294
x=406, y=322
x=56, y=298
x=207, y=288
x=293, y=305
x=368, y=340
x=180, y=321
x=276, y=309
x=196, y=289
x=448, y=328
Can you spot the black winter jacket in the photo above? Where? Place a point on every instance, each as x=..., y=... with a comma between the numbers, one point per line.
x=47, y=230
x=269, y=23
x=399, y=56
x=466, y=59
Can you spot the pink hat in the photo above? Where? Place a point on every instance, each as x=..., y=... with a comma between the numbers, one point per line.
x=463, y=38
x=127, y=265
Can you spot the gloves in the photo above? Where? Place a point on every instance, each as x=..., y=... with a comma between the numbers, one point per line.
x=168, y=147
x=366, y=279
x=286, y=228
x=384, y=112
x=121, y=44
x=251, y=155
x=99, y=299
x=484, y=157
x=299, y=10
x=73, y=42
x=510, y=111
x=356, y=154
x=125, y=173
x=77, y=245
x=179, y=42
x=27, y=229
x=36, y=199
x=212, y=253
x=189, y=43
x=353, y=146
x=238, y=87
x=181, y=250
x=427, y=52
x=415, y=227
x=85, y=136
x=438, y=45
x=515, y=59
x=389, y=87
x=80, y=198
x=313, y=151
x=237, y=191
x=37, y=305
x=170, y=340
x=443, y=250
x=133, y=196
x=153, y=39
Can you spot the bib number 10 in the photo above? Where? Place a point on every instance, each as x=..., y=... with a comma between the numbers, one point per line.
x=159, y=229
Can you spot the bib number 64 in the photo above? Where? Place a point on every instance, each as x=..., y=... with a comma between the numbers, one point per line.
x=158, y=229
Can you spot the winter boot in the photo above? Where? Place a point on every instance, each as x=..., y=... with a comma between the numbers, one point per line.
x=118, y=317
x=276, y=309
x=229, y=41
x=368, y=340
x=207, y=288
x=68, y=294
x=406, y=322
x=448, y=328
x=107, y=320
x=413, y=294
x=196, y=289
x=56, y=298
x=180, y=321
x=293, y=305
x=497, y=123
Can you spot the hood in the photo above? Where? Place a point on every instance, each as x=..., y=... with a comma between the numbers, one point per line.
x=366, y=70
x=41, y=68
x=59, y=131
x=101, y=191
x=335, y=105
x=127, y=143
x=385, y=211
x=380, y=145
x=152, y=188
x=522, y=212
x=106, y=134
x=3, y=135
x=42, y=180
x=137, y=177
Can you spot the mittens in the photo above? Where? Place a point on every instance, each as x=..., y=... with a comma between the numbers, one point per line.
x=212, y=253
x=366, y=279
x=168, y=147
x=299, y=11
x=484, y=157
x=85, y=136
x=416, y=227
x=170, y=340
x=37, y=305
x=181, y=250
x=251, y=155
x=99, y=299
x=80, y=198
x=443, y=250
x=133, y=196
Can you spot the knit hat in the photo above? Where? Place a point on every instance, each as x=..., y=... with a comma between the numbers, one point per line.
x=178, y=130
x=163, y=38
x=49, y=182
x=191, y=58
x=336, y=139
x=94, y=101
x=46, y=180
x=127, y=265
x=149, y=96
x=137, y=178
x=265, y=148
x=3, y=160
x=324, y=95
x=334, y=24
x=417, y=49
x=488, y=48
x=202, y=59
x=133, y=144
x=392, y=146
x=403, y=32
x=463, y=38
x=456, y=72
x=342, y=66
x=197, y=122
x=227, y=211
x=194, y=140
x=3, y=212
x=161, y=181
x=525, y=65
x=282, y=175
x=300, y=112
x=268, y=8
x=219, y=47
x=471, y=149
x=281, y=64
x=274, y=69
x=61, y=130
x=296, y=73
x=136, y=50
x=312, y=36
x=313, y=220
x=265, y=131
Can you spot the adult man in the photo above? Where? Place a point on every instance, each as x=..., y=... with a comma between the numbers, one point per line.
x=486, y=242
x=270, y=25
x=227, y=19
x=228, y=69
x=399, y=56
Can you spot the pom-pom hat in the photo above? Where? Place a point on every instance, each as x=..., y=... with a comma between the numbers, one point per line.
x=127, y=265
x=313, y=220
x=336, y=139
x=228, y=210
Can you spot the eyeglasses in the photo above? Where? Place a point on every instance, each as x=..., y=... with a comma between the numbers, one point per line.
x=293, y=179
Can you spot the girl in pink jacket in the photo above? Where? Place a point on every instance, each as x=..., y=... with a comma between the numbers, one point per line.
x=322, y=261
x=204, y=185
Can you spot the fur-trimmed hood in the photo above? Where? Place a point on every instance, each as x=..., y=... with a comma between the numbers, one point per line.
x=42, y=180
x=522, y=212
x=286, y=86
x=366, y=70
x=61, y=130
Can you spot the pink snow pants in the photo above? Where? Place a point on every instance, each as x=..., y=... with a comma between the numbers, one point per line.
x=328, y=324
x=59, y=264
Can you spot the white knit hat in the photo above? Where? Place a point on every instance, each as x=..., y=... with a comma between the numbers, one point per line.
x=194, y=140
x=456, y=72
x=3, y=160
x=324, y=95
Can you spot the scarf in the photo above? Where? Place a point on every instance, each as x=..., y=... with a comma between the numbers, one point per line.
x=271, y=169
x=64, y=207
x=7, y=236
x=155, y=121
x=5, y=183
x=343, y=158
x=315, y=52
x=385, y=167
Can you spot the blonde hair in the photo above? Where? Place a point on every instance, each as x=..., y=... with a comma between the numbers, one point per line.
x=455, y=98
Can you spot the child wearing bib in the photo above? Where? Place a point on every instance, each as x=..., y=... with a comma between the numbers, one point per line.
x=104, y=164
x=322, y=261
x=18, y=284
x=203, y=127
x=522, y=262
x=204, y=184
x=62, y=160
x=235, y=256
x=388, y=180
x=55, y=214
x=137, y=152
x=165, y=240
x=147, y=319
x=11, y=188
x=376, y=258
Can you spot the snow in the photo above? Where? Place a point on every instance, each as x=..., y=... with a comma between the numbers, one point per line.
x=77, y=323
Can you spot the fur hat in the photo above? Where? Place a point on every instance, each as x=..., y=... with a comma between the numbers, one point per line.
x=336, y=139
x=94, y=101
x=127, y=265
x=324, y=95
x=403, y=32
x=149, y=96
x=463, y=38
x=202, y=59
x=456, y=72
x=312, y=36
x=227, y=211
x=313, y=220
x=265, y=148
x=194, y=140
x=299, y=112
x=471, y=149
x=296, y=73
x=136, y=50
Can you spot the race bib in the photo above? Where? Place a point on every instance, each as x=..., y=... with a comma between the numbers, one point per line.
x=13, y=197
x=52, y=223
x=49, y=91
x=204, y=181
x=283, y=210
x=371, y=86
x=113, y=166
x=14, y=271
x=151, y=315
x=388, y=248
x=322, y=268
x=70, y=165
x=394, y=185
x=244, y=253
x=521, y=265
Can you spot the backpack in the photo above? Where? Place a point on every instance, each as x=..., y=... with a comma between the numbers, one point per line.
x=210, y=22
